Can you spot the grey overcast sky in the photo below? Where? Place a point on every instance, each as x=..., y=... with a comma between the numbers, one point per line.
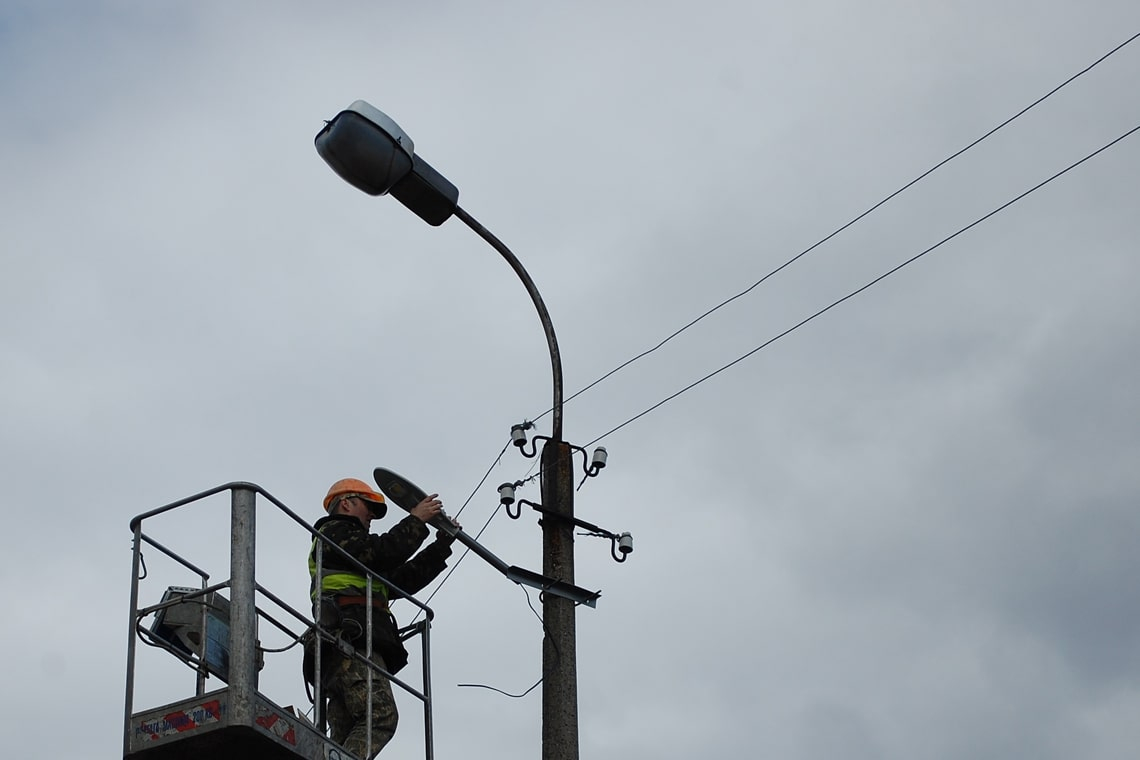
x=906, y=529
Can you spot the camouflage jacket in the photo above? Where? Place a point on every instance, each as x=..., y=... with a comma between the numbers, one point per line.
x=389, y=554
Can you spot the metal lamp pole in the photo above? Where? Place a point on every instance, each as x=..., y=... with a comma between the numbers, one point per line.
x=370, y=151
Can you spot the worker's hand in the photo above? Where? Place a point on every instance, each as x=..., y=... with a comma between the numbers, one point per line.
x=429, y=508
x=443, y=535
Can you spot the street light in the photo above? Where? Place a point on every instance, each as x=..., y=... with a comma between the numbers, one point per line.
x=371, y=152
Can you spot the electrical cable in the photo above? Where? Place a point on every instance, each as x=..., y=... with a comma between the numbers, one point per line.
x=875, y=281
x=467, y=550
x=788, y=263
x=545, y=630
x=285, y=648
x=546, y=634
x=492, y=688
x=858, y=218
x=486, y=475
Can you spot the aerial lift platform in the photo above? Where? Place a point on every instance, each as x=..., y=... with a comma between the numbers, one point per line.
x=217, y=636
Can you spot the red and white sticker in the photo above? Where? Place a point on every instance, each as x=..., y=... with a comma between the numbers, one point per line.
x=179, y=721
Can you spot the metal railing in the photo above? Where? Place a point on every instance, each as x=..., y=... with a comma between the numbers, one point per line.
x=245, y=652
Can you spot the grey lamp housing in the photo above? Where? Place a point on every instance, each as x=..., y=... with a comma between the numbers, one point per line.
x=370, y=152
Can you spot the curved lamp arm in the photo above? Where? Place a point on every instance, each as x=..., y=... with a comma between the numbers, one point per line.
x=543, y=314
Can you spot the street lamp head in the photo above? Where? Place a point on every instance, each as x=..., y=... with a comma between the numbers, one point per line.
x=366, y=148
x=370, y=152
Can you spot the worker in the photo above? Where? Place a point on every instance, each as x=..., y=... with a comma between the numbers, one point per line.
x=352, y=505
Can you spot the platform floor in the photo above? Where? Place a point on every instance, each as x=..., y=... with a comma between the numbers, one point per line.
x=202, y=727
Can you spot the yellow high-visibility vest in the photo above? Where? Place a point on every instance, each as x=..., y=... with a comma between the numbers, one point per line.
x=339, y=581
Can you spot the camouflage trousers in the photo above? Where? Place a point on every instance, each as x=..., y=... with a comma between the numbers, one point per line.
x=348, y=707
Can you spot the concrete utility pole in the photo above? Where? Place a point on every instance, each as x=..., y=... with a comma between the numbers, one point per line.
x=559, y=647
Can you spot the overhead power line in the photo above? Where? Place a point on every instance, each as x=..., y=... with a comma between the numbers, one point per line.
x=486, y=475
x=795, y=258
x=873, y=282
x=858, y=218
x=477, y=535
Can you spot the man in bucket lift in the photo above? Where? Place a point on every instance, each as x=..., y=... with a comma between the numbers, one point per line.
x=352, y=505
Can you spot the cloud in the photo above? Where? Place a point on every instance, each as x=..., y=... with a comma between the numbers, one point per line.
x=903, y=529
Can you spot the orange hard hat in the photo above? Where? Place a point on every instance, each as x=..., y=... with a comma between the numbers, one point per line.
x=359, y=488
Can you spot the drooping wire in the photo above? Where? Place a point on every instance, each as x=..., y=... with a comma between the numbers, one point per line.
x=546, y=634
x=530, y=604
x=492, y=688
x=285, y=648
x=873, y=282
x=858, y=218
x=545, y=631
